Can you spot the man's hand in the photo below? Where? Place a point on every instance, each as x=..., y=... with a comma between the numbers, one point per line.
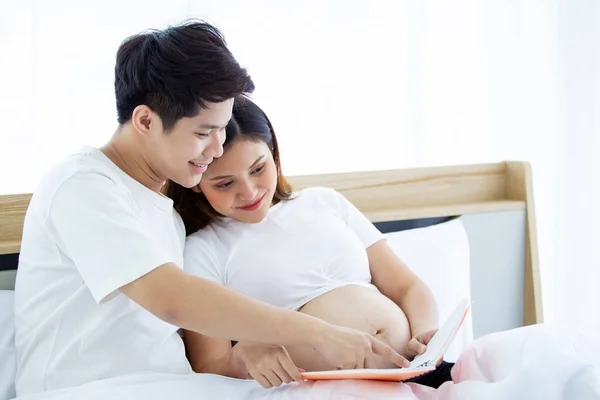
x=347, y=348
x=268, y=365
x=418, y=344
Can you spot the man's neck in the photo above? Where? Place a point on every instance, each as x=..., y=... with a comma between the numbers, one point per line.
x=126, y=155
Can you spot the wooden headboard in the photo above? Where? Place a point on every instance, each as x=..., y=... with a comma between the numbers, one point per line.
x=396, y=195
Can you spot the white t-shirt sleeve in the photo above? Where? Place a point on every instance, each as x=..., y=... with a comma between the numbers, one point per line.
x=97, y=226
x=357, y=221
x=200, y=259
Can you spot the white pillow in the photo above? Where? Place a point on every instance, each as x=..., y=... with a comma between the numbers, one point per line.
x=8, y=352
x=440, y=256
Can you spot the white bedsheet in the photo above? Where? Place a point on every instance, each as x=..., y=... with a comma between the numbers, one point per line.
x=539, y=362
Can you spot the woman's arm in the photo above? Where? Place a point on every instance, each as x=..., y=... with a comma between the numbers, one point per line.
x=211, y=355
x=268, y=365
x=391, y=276
x=396, y=281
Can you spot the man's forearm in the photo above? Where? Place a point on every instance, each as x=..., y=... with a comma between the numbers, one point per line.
x=216, y=311
x=418, y=304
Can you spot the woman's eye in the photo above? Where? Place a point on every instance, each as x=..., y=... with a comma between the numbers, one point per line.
x=258, y=170
x=224, y=185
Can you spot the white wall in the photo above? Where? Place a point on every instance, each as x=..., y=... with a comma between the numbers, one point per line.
x=577, y=189
x=349, y=85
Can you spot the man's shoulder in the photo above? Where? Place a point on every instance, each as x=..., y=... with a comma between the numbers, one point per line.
x=80, y=170
x=87, y=160
x=77, y=188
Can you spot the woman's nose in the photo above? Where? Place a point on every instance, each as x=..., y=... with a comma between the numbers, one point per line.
x=247, y=192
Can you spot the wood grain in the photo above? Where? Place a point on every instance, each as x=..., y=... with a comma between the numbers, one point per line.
x=10, y=247
x=12, y=214
x=381, y=191
x=397, y=195
x=446, y=210
x=519, y=186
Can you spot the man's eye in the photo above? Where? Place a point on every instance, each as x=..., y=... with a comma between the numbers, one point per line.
x=201, y=135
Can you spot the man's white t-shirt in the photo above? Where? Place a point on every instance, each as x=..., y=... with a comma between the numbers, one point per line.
x=304, y=247
x=89, y=230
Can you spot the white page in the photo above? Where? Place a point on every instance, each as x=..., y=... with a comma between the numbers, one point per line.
x=441, y=340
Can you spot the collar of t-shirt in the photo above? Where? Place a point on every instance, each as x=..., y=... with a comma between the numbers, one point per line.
x=160, y=200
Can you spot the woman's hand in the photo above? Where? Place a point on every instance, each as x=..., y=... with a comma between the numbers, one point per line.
x=418, y=344
x=268, y=365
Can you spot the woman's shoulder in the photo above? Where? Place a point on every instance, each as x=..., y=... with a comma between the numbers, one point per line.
x=316, y=193
x=214, y=235
x=203, y=237
x=311, y=200
x=319, y=195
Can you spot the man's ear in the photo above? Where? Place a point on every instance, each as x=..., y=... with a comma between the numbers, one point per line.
x=144, y=120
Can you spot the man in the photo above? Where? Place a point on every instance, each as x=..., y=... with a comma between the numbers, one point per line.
x=100, y=291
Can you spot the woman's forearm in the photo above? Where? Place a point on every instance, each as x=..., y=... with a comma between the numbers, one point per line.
x=225, y=366
x=420, y=308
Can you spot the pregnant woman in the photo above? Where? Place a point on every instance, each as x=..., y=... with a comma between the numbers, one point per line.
x=309, y=250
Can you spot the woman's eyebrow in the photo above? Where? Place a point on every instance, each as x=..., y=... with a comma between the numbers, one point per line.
x=257, y=161
x=216, y=178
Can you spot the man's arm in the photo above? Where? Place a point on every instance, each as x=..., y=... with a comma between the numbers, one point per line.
x=213, y=310
x=114, y=251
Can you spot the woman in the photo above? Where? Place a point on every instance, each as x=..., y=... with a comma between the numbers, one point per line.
x=310, y=251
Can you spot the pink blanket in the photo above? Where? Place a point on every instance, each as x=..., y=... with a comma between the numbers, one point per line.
x=538, y=362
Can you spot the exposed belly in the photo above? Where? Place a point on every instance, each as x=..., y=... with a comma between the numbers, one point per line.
x=360, y=308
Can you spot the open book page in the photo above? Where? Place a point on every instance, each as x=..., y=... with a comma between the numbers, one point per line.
x=420, y=365
x=440, y=342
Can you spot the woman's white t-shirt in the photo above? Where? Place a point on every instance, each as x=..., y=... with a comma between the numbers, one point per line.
x=89, y=230
x=304, y=247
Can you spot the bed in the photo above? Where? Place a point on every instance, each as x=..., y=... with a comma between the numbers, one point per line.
x=479, y=216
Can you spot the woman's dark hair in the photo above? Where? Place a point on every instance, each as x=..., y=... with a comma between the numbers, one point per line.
x=248, y=122
x=176, y=71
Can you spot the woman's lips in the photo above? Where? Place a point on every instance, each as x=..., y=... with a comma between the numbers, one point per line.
x=253, y=206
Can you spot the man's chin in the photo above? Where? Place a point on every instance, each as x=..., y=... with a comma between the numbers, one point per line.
x=189, y=182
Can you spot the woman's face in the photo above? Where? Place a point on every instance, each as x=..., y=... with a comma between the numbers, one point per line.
x=241, y=183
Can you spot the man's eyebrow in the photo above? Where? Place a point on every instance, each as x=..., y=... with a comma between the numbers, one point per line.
x=216, y=178
x=210, y=126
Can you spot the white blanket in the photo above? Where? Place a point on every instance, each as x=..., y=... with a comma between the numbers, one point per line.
x=539, y=362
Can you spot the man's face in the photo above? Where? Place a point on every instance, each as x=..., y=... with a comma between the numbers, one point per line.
x=183, y=153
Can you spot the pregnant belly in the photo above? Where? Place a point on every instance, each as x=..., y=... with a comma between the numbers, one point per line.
x=360, y=308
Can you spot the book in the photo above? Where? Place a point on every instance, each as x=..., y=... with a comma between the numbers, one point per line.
x=420, y=365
